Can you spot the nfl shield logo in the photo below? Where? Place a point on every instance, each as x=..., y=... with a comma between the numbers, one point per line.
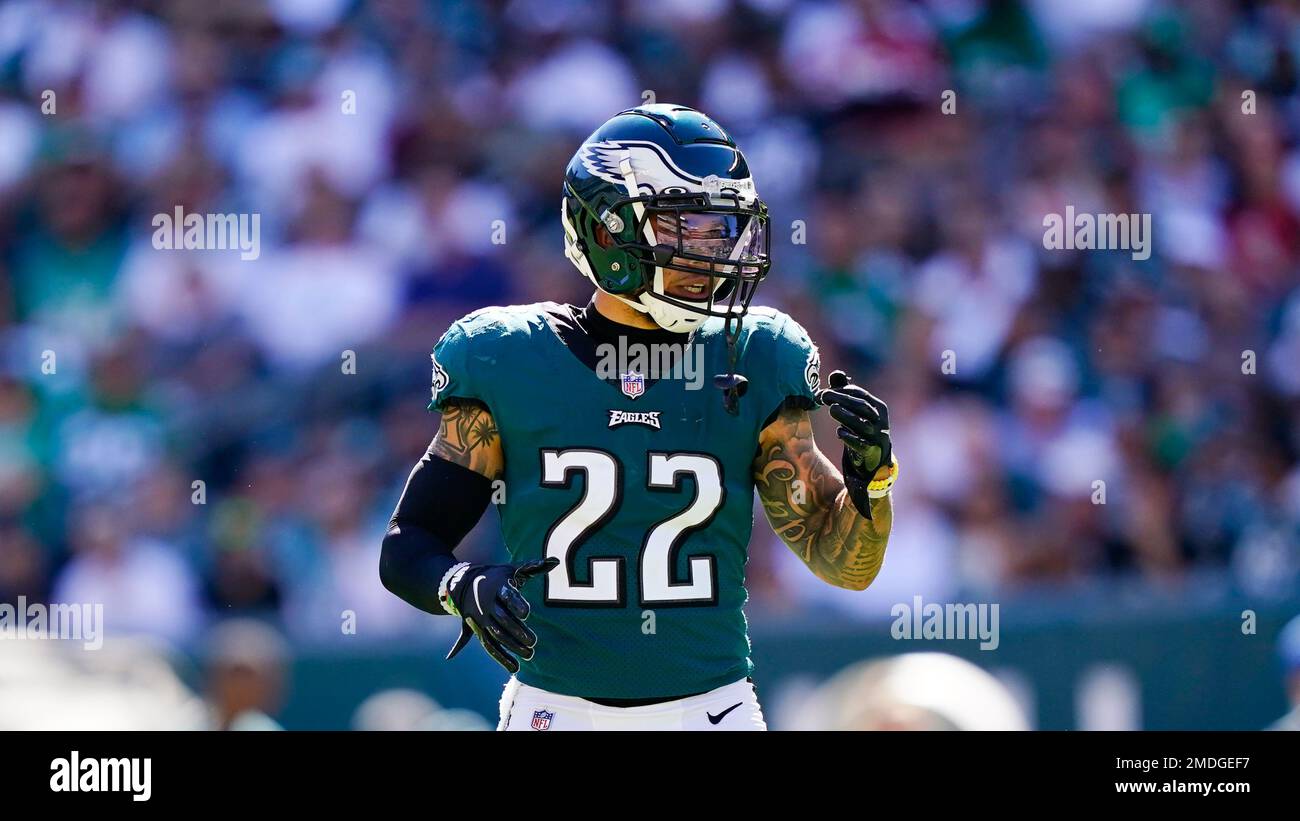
x=633, y=384
x=542, y=720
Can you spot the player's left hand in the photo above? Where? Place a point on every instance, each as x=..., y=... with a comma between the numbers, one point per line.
x=488, y=600
x=864, y=425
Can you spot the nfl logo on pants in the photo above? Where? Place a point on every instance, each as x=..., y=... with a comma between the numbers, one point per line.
x=542, y=720
x=633, y=384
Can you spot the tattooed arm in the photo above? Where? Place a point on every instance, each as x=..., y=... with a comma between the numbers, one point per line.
x=445, y=495
x=807, y=505
x=468, y=436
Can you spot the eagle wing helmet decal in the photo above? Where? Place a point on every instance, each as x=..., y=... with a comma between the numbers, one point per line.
x=651, y=168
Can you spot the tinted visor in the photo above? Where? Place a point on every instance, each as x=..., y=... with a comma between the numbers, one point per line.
x=711, y=235
x=713, y=242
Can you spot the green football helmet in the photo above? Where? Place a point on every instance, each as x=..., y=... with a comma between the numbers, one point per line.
x=664, y=188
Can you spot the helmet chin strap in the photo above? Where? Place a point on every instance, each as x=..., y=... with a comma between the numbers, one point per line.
x=668, y=317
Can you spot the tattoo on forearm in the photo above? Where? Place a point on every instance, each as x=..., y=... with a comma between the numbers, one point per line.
x=468, y=436
x=804, y=498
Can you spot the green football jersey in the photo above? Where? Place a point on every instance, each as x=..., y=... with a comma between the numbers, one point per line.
x=641, y=487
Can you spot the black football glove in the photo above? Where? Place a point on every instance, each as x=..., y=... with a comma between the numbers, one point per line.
x=864, y=430
x=487, y=598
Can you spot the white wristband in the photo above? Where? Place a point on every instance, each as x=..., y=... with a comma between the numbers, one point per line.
x=444, y=587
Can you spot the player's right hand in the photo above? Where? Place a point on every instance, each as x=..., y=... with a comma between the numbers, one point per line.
x=487, y=598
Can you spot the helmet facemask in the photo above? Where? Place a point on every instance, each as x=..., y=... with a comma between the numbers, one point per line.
x=698, y=234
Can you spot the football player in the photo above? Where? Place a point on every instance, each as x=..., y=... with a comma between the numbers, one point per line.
x=628, y=490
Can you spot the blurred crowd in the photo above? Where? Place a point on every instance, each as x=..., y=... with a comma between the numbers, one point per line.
x=188, y=434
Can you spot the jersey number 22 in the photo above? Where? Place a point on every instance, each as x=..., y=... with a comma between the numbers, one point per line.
x=602, y=493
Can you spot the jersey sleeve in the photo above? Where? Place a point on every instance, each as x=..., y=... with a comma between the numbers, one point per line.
x=452, y=371
x=798, y=363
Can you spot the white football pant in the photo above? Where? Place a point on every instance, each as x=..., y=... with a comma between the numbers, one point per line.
x=730, y=707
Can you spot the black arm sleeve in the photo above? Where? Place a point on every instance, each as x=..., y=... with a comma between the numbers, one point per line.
x=441, y=503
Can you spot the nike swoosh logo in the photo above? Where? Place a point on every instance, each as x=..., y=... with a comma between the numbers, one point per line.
x=477, y=579
x=715, y=719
